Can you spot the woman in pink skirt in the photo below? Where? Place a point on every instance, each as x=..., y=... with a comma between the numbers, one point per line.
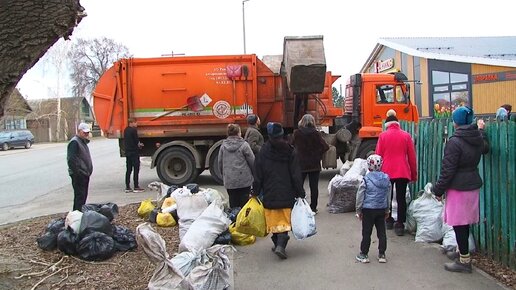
x=461, y=182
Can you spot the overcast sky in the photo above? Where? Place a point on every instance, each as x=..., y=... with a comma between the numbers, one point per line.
x=209, y=27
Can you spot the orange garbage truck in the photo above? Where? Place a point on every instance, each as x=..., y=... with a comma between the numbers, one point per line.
x=183, y=104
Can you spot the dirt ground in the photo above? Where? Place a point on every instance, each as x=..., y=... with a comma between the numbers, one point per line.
x=25, y=266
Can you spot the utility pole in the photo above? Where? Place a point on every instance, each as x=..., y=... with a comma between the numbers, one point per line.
x=243, y=21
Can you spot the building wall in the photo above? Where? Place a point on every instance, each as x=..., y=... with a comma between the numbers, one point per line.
x=490, y=95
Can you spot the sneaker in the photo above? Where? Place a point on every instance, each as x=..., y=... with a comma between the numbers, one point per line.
x=138, y=189
x=128, y=189
x=315, y=211
x=382, y=258
x=362, y=258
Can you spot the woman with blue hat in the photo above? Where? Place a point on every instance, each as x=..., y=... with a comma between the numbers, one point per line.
x=461, y=182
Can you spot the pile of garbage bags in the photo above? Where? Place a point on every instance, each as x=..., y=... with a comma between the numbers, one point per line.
x=89, y=234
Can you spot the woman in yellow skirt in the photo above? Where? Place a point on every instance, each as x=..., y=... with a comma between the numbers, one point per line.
x=278, y=177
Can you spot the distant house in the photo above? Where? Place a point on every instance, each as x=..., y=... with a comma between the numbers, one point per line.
x=56, y=120
x=15, y=113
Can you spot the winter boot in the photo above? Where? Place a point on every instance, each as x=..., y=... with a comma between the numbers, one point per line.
x=389, y=223
x=399, y=229
x=281, y=245
x=462, y=265
x=452, y=255
x=274, y=239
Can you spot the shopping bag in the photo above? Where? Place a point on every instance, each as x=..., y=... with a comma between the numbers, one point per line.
x=239, y=238
x=251, y=219
x=303, y=220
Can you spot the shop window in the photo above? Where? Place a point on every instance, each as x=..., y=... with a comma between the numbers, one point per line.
x=449, y=91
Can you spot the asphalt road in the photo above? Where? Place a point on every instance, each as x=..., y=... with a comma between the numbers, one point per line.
x=35, y=182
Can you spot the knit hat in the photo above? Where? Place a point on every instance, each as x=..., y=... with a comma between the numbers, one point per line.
x=374, y=162
x=275, y=130
x=252, y=119
x=463, y=116
x=391, y=116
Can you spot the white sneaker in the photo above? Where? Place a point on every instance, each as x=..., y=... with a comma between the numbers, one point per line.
x=382, y=258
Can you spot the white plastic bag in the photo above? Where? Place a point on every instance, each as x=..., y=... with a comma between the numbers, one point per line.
x=303, y=220
x=73, y=220
x=427, y=211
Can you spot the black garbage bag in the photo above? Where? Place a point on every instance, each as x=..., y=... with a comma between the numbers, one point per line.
x=47, y=241
x=224, y=238
x=171, y=189
x=56, y=226
x=193, y=187
x=153, y=215
x=96, y=246
x=109, y=210
x=124, y=238
x=93, y=221
x=232, y=213
x=67, y=241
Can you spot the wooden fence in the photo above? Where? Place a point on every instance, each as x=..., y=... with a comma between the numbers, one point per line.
x=495, y=235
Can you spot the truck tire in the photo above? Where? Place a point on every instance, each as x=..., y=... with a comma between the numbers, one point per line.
x=214, y=168
x=176, y=166
x=366, y=148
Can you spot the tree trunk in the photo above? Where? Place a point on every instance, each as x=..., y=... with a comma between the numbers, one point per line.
x=27, y=30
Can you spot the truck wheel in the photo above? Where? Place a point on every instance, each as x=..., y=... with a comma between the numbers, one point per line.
x=176, y=166
x=214, y=167
x=366, y=148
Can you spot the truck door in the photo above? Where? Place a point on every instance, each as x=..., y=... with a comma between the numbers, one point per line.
x=389, y=96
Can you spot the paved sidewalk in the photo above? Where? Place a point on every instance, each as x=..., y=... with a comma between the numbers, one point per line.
x=327, y=261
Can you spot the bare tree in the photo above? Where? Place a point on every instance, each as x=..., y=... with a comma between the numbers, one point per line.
x=89, y=60
x=27, y=30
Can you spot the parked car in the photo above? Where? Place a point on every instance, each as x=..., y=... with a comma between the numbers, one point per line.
x=16, y=138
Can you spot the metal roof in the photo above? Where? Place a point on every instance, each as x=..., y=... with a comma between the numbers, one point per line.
x=496, y=50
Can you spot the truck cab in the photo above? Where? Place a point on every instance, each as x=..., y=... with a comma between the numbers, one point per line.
x=368, y=97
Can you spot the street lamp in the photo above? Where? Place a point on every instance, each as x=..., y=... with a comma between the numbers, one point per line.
x=243, y=20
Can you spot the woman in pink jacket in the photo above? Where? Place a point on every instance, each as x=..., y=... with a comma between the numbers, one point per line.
x=399, y=162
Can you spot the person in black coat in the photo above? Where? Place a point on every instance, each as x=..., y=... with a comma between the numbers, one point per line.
x=132, y=145
x=461, y=182
x=277, y=174
x=310, y=147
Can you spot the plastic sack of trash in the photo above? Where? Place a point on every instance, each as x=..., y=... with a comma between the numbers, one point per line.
x=145, y=208
x=215, y=270
x=48, y=240
x=73, y=220
x=93, y=221
x=109, y=210
x=189, y=207
x=251, y=218
x=205, y=229
x=67, y=241
x=96, y=246
x=124, y=238
x=303, y=220
x=186, y=261
x=166, y=275
x=427, y=212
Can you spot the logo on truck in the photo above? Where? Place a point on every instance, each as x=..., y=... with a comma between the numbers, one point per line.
x=222, y=109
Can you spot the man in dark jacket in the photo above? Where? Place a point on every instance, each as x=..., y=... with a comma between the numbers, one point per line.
x=461, y=181
x=278, y=176
x=80, y=166
x=132, y=146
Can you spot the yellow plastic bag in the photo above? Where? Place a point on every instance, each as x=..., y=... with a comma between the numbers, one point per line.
x=168, y=202
x=251, y=219
x=239, y=238
x=145, y=208
x=165, y=219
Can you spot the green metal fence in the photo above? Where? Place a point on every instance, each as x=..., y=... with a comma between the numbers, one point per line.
x=495, y=235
